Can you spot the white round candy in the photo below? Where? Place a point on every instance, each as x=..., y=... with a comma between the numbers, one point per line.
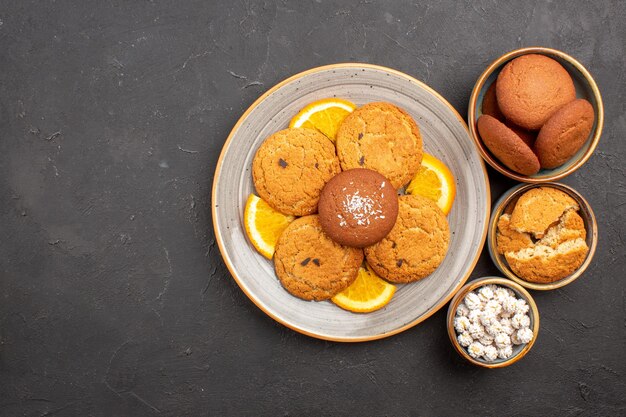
x=494, y=307
x=474, y=316
x=475, y=349
x=476, y=331
x=465, y=339
x=485, y=294
x=508, y=329
x=521, y=307
x=505, y=352
x=486, y=340
x=509, y=305
x=501, y=294
x=520, y=320
x=487, y=318
x=525, y=335
x=472, y=301
x=462, y=310
x=502, y=339
x=494, y=328
x=490, y=353
x=461, y=324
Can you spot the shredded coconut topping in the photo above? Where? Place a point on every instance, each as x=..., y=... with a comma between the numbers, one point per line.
x=362, y=208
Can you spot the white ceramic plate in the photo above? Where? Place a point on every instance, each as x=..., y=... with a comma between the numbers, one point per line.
x=445, y=136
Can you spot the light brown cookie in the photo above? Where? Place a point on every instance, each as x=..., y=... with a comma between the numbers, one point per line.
x=358, y=207
x=564, y=133
x=539, y=208
x=531, y=88
x=381, y=137
x=544, y=264
x=310, y=265
x=505, y=145
x=291, y=167
x=507, y=239
x=416, y=245
x=570, y=226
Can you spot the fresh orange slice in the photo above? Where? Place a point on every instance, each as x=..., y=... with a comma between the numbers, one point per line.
x=367, y=293
x=264, y=225
x=435, y=181
x=324, y=116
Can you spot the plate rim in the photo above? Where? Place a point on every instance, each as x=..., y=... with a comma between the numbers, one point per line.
x=219, y=237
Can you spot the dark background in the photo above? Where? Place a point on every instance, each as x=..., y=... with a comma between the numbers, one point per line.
x=114, y=298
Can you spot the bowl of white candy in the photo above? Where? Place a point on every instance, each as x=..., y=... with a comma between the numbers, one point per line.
x=493, y=322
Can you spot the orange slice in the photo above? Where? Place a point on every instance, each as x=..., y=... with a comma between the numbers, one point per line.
x=435, y=181
x=367, y=293
x=324, y=116
x=264, y=225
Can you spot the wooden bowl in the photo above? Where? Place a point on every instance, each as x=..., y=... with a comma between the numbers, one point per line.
x=519, y=351
x=585, y=88
x=508, y=200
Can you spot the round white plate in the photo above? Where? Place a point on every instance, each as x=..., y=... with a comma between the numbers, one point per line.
x=445, y=136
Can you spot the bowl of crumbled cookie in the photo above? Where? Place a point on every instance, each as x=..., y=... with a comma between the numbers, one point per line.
x=535, y=114
x=493, y=322
x=542, y=236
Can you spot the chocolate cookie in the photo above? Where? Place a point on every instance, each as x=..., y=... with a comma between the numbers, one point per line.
x=416, y=245
x=564, y=133
x=291, y=167
x=508, y=147
x=531, y=88
x=310, y=265
x=358, y=207
x=381, y=137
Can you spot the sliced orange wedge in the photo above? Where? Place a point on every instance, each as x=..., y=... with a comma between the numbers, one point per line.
x=324, y=116
x=435, y=181
x=264, y=225
x=367, y=293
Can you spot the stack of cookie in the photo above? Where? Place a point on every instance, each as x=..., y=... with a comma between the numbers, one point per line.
x=347, y=196
x=543, y=237
x=531, y=118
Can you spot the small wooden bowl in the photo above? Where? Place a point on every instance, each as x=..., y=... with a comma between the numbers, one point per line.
x=585, y=88
x=518, y=350
x=508, y=200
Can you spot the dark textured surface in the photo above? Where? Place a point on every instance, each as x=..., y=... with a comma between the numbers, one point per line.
x=115, y=300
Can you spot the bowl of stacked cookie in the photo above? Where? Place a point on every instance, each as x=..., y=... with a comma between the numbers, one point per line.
x=542, y=236
x=536, y=114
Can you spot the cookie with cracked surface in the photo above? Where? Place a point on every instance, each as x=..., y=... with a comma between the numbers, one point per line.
x=507, y=146
x=564, y=133
x=507, y=239
x=381, y=137
x=312, y=266
x=531, y=88
x=416, y=245
x=291, y=167
x=545, y=264
x=358, y=207
x=539, y=208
